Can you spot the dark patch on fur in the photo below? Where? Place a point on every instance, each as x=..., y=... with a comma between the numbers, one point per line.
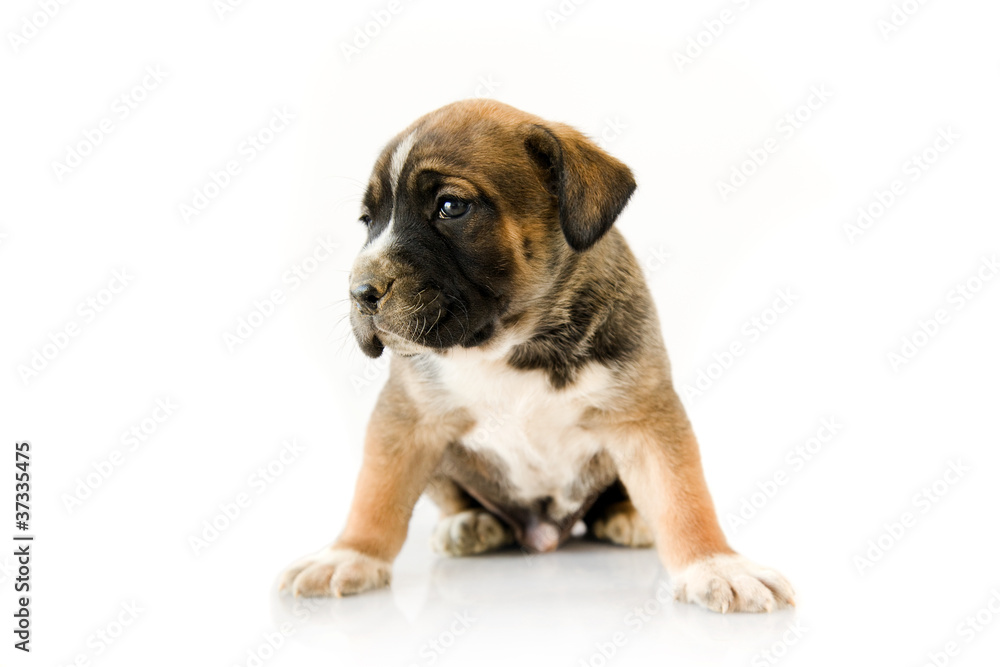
x=480, y=337
x=599, y=314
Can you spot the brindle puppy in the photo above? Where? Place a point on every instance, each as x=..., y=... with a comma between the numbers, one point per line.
x=529, y=385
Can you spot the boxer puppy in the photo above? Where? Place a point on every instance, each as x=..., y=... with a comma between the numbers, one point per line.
x=529, y=387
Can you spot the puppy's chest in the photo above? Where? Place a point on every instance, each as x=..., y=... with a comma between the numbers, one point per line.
x=533, y=429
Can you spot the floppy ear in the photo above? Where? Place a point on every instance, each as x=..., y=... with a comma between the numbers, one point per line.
x=592, y=187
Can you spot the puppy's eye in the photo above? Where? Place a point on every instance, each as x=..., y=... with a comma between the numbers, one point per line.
x=365, y=219
x=453, y=208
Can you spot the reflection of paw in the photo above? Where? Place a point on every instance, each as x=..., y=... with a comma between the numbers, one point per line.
x=730, y=582
x=335, y=571
x=621, y=524
x=470, y=532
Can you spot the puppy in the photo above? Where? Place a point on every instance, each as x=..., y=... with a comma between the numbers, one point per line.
x=529, y=388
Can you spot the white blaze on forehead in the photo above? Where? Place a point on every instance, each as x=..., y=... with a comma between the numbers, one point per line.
x=386, y=238
x=399, y=159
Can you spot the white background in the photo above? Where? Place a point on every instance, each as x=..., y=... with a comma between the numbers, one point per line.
x=683, y=129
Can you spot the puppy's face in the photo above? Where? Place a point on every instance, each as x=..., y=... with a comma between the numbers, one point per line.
x=469, y=212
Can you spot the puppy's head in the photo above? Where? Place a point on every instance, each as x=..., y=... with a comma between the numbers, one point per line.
x=470, y=212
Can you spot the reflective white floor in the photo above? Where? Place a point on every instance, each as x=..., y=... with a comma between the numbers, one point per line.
x=599, y=605
x=585, y=604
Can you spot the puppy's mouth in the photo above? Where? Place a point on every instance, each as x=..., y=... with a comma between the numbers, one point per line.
x=432, y=324
x=367, y=336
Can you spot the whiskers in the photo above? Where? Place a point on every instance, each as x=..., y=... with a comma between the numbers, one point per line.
x=465, y=313
x=340, y=330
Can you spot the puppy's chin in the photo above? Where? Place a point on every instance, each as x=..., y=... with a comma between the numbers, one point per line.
x=373, y=341
x=373, y=338
x=401, y=346
x=369, y=343
x=367, y=335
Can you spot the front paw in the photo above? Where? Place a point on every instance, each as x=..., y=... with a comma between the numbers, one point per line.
x=730, y=582
x=335, y=571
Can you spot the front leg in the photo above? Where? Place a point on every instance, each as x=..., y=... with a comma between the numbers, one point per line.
x=660, y=465
x=402, y=449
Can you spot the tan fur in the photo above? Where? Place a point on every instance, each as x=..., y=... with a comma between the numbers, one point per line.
x=403, y=446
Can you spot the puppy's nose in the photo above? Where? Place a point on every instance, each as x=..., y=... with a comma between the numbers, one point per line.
x=367, y=297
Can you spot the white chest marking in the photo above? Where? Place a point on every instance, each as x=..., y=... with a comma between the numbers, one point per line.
x=525, y=422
